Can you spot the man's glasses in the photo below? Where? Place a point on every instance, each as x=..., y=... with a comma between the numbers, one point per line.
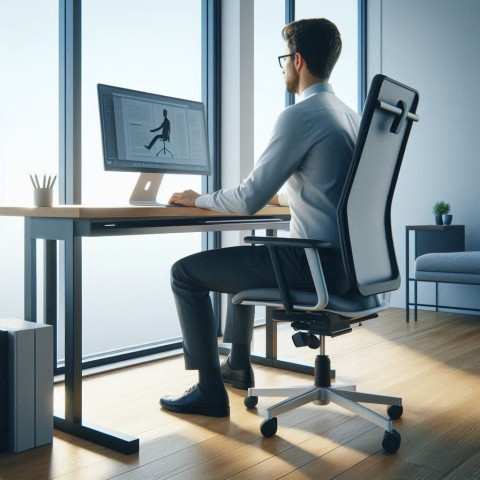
x=282, y=59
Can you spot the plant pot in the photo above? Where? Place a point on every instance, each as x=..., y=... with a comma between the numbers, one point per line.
x=447, y=219
x=438, y=220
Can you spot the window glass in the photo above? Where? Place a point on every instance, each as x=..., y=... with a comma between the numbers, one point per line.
x=151, y=46
x=269, y=90
x=345, y=16
x=28, y=126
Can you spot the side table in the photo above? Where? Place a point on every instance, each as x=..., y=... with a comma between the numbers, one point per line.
x=430, y=239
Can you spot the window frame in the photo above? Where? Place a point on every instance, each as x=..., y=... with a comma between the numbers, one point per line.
x=70, y=130
x=362, y=50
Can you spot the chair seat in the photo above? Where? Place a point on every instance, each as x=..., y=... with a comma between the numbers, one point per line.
x=450, y=267
x=351, y=302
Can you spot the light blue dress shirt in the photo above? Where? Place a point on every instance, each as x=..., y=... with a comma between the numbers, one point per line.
x=309, y=151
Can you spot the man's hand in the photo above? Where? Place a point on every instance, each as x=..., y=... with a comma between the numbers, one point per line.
x=186, y=198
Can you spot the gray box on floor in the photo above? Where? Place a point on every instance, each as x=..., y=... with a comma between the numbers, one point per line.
x=30, y=383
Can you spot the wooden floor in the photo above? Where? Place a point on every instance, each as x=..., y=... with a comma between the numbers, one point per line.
x=434, y=365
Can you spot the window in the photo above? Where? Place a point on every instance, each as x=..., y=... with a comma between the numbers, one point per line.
x=28, y=126
x=269, y=95
x=152, y=46
x=345, y=76
x=269, y=90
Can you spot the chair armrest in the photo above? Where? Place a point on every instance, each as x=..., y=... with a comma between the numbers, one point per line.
x=311, y=250
x=287, y=242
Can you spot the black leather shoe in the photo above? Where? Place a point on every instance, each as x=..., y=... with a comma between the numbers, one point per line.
x=242, y=378
x=194, y=400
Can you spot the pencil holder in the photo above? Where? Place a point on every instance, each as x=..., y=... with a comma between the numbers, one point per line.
x=42, y=197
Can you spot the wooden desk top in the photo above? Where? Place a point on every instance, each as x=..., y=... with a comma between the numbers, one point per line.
x=93, y=212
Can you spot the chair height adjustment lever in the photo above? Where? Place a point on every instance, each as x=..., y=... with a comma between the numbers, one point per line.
x=306, y=339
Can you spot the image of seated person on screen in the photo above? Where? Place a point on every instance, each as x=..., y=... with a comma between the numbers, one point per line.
x=165, y=135
x=310, y=152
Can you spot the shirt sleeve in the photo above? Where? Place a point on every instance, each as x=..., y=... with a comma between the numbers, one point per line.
x=283, y=198
x=287, y=147
x=203, y=201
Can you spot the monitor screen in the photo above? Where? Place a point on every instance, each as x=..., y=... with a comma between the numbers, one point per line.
x=144, y=132
x=154, y=135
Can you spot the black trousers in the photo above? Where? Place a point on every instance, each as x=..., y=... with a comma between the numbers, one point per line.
x=231, y=270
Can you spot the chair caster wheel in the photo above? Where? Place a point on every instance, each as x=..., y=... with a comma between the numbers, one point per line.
x=250, y=402
x=268, y=428
x=395, y=411
x=391, y=441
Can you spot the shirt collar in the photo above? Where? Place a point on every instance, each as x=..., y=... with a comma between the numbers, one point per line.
x=317, y=88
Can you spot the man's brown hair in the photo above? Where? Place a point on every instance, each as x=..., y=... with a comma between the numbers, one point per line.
x=318, y=41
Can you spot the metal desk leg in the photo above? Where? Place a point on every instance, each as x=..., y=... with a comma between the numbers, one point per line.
x=72, y=423
x=407, y=276
x=415, y=294
x=30, y=279
x=271, y=335
x=50, y=292
x=73, y=329
x=272, y=353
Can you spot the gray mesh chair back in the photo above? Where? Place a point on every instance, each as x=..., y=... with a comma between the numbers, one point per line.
x=364, y=209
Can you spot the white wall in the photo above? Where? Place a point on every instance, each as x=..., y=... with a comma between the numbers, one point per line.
x=432, y=45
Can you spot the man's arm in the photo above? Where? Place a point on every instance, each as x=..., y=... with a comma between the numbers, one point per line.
x=286, y=149
x=188, y=198
x=158, y=128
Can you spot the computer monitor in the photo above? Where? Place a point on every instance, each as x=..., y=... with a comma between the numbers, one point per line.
x=152, y=134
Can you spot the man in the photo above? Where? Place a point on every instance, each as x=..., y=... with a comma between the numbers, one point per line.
x=310, y=149
x=164, y=127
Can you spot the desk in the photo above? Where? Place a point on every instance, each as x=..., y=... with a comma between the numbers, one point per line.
x=430, y=239
x=69, y=224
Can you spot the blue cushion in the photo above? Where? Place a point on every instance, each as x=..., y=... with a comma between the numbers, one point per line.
x=451, y=267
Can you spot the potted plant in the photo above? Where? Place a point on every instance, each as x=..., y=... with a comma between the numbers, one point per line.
x=441, y=211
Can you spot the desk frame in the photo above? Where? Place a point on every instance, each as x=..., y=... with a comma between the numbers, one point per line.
x=71, y=231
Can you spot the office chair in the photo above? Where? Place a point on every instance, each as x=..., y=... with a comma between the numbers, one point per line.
x=165, y=137
x=368, y=255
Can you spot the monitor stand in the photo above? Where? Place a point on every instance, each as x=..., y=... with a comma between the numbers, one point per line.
x=146, y=190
